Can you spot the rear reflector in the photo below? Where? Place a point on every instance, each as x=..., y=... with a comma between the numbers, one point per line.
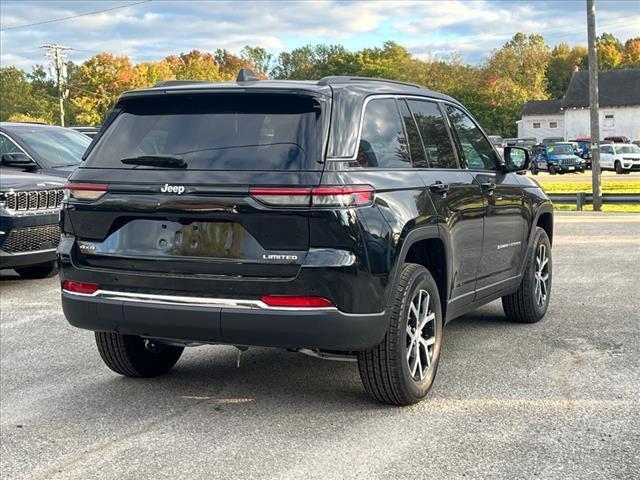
x=84, y=191
x=80, y=287
x=287, y=301
x=329, y=196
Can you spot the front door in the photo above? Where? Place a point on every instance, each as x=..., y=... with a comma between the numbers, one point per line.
x=506, y=219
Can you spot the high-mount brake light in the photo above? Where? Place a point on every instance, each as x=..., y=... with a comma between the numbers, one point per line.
x=325, y=196
x=80, y=287
x=84, y=191
x=292, y=301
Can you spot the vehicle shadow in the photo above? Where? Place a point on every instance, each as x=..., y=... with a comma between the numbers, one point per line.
x=268, y=381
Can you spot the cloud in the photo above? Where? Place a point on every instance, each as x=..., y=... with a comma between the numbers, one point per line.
x=155, y=29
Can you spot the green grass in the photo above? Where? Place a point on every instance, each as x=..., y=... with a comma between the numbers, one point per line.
x=607, y=187
x=605, y=208
x=577, y=187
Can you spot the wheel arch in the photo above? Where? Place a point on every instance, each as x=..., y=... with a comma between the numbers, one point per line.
x=424, y=246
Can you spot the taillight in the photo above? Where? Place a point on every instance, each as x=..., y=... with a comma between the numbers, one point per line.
x=80, y=287
x=326, y=196
x=292, y=301
x=349, y=196
x=84, y=191
x=297, y=197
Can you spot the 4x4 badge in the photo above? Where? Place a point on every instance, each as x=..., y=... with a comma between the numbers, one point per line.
x=179, y=189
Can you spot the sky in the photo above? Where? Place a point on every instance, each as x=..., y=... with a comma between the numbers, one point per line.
x=152, y=29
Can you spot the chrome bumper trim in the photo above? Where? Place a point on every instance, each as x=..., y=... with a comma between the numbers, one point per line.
x=190, y=301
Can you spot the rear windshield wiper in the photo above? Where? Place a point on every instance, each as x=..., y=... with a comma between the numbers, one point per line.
x=168, y=161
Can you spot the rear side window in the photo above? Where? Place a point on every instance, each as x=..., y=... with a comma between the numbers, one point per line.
x=383, y=142
x=434, y=134
x=415, y=144
x=478, y=152
x=222, y=131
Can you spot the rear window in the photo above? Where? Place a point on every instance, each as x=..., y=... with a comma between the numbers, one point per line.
x=216, y=132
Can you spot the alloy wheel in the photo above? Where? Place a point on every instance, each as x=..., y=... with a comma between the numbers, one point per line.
x=421, y=335
x=541, y=275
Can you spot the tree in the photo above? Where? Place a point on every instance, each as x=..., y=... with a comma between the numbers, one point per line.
x=631, y=53
x=151, y=73
x=259, y=58
x=564, y=60
x=195, y=65
x=19, y=101
x=99, y=82
x=609, y=51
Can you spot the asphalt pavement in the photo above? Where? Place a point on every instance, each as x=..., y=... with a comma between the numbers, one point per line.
x=557, y=399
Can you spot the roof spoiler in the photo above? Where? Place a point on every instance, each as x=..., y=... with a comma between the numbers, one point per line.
x=174, y=83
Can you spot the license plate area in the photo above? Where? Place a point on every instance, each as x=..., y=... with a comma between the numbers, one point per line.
x=163, y=239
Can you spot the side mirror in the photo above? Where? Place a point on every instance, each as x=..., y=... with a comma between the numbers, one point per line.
x=516, y=159
x=17, y=159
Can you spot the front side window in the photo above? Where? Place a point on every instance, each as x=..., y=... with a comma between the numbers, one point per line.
x=433, y=130
x=7, y=146
x=383, y=142
x=477, y=151
x=606, y=150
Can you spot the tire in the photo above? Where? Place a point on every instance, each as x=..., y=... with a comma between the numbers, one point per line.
x=134, y=356
x=525, y=305
x=618, y=168
x=552, y=170
x=43, y=270
x=534, y=169
x=385, y=369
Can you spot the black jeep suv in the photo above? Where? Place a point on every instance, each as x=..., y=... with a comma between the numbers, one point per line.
x=345, y=218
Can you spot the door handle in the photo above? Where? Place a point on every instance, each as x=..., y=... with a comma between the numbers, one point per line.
x=439, y=187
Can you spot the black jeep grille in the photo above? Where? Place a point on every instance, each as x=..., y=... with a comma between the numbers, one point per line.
x=34, y=200
x=31, y=239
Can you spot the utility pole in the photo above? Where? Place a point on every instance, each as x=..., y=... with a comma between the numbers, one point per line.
x=594, y=106
x=57, y=54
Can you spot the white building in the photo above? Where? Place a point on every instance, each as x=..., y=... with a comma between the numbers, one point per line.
x=541, y=119
x=619, y=93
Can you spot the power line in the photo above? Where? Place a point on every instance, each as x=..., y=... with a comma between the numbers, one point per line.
x=73, y=16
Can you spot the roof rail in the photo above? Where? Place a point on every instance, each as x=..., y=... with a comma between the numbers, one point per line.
x=346, y=79
x=173, y=83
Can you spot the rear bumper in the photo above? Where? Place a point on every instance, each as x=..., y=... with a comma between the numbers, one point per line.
x=238, y=323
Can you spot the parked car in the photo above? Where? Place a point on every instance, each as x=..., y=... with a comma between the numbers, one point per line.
x=528, y=143
x=38, y=148
x=636, y=142
x=88, y=131
x=620, y=157
x=552, y=140
x=349, y=218
x=615, y=139
x=29, y=231
x=557, y=158
x=584, y=149
x=508, y=142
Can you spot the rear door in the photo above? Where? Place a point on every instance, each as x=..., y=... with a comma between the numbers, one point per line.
x=197, y=184
x=506, y=217
x=457, y=198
